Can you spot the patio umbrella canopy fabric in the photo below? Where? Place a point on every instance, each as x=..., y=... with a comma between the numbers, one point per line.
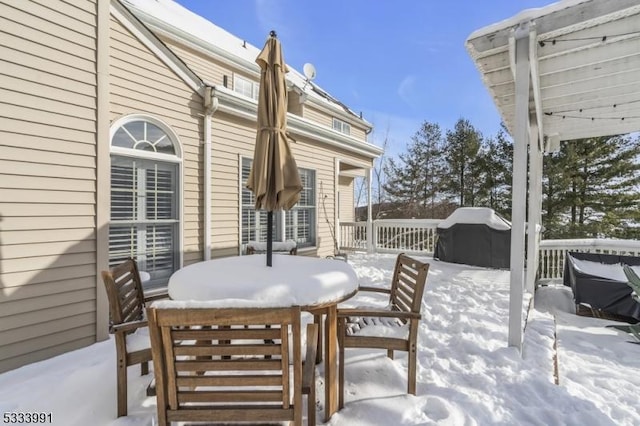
x=274, y=177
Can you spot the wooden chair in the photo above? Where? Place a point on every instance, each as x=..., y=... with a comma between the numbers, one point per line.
x=394, y=328
x=210, y=367
x=126, y=311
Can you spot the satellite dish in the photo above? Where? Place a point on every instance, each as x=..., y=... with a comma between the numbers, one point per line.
x=309, y=71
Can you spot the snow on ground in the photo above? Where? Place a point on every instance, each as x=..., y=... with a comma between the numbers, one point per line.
x=466, y=373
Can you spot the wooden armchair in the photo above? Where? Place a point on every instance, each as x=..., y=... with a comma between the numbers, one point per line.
x=126, y=309
x=394, y=328
x=210, y=367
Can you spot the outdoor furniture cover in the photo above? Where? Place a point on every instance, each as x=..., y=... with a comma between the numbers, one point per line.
x=598, y=280
x=474, y=236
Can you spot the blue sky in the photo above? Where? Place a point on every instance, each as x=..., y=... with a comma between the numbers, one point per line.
x=399, y=62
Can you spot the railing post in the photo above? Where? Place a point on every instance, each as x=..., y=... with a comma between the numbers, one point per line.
x=370, y=236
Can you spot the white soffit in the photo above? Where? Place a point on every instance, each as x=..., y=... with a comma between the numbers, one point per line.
x=588, y=65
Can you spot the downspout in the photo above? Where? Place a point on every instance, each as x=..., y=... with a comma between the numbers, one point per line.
x=210, y=103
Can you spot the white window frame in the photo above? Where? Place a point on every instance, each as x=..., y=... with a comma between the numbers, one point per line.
x=245, y=87
x=279, y=218
x=176, y=159
x=341, y=126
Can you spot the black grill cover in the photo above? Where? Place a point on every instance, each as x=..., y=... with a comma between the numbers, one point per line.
x=478, y=244
x=607, y=294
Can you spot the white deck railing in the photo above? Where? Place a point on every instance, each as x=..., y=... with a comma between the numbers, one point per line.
x=419, y=236
x=353, y=236
x=406, y=235
x=391, y=235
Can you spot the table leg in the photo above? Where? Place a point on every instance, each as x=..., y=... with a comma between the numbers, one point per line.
x=330, y=362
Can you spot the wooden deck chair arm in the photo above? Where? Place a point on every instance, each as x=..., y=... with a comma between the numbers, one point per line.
x=127, y=326
x=356, y=312
x=308, y=369
x=375, y=289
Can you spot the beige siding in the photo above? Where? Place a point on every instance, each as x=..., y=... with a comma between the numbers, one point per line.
x=326, y=119
x=346, y=203
x=206, y=67
x=231, y=138
x=47, y=179
x=213, y=71
x=358, y=133
x=234, y=137
x=142, y=84
x=317, y=116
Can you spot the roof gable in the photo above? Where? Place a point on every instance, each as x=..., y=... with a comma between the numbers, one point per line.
x=146, y=37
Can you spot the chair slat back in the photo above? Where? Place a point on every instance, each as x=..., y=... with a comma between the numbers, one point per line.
x=407, y=286
x=124, y=291
x=223, y=364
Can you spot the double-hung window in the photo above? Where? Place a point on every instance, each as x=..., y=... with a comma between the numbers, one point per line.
x=144, y=200
x=341, y=126
x=245, y=87
x=297, y=224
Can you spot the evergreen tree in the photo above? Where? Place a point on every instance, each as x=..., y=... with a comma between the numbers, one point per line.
x=463, y=177
x=414, y=179
x=554, y=184
x=591, y=188
x=496, y=159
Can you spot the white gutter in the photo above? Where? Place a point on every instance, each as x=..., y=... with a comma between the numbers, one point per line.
x=247, y=108
x=211, y=106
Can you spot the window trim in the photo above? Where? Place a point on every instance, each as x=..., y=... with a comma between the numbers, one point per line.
x=255, y=86
x=341, y=126
x=177, y=159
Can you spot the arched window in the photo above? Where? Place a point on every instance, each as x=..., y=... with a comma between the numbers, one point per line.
x=145, y=198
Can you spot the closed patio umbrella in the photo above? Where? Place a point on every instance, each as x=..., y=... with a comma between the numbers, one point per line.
x=274, y=178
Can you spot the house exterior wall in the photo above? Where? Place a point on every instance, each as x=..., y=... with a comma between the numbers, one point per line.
x=141, y=84
x=233, y=138
x=69, y=70
x=47, y=178
x=213, y=71
x=346, y=204
x=206, y=67
x=325, y=118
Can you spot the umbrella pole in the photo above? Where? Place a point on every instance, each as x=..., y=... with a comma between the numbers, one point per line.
x=269, y=237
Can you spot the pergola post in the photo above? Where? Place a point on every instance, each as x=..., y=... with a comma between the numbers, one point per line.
x=519, y=186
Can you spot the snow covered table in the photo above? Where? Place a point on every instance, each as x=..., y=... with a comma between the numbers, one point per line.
x=314, y=284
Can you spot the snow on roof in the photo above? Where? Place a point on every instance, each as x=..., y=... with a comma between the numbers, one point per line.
x=183, y=20
x=525, y=15
x=476, y=215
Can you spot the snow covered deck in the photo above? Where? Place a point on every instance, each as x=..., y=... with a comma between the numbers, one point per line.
x=466, y=373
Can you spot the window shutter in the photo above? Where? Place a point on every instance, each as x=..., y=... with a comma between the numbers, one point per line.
x=144, y=216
